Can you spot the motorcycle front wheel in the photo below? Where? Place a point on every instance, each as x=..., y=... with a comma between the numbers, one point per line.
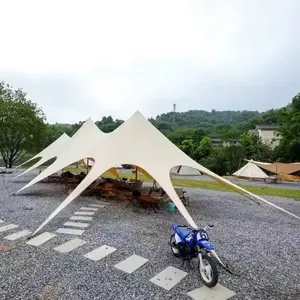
x=209, y=272
x=174, y=250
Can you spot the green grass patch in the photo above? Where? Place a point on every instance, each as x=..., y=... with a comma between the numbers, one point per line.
x=210, y=185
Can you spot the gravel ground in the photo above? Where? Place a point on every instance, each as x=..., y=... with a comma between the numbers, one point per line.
x=259, y=242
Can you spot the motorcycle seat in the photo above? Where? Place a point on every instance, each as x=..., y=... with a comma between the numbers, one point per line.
x=183, y=232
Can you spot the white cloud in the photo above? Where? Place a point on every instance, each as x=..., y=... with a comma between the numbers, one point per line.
x=114, y=57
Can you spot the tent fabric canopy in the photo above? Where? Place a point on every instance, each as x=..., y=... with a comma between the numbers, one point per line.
x=88, y=135
x=278, y=167
x=285, y=177
x=185, y=171
x=250, y=170
x=48, y=153
x=152, y=152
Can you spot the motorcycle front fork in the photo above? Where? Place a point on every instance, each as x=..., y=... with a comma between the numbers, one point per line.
x=213, y=254
x=200, y=257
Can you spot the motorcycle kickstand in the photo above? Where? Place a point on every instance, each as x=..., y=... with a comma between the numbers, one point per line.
x=188, y=262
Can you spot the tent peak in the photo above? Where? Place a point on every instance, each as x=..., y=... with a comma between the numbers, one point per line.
x=87, y=127
x=89, y=120
x=138, y=114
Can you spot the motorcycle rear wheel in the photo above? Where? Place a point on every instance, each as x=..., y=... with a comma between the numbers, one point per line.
x=174, y=250
x=209, y=275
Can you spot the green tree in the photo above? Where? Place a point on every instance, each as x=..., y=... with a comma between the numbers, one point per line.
x=248, y=144
x=108, y=124
x=198, y=135
x=289, y=148
x=22, y=127
x=229, y=134
x=187, y=147
x=110, y=127
x=54, y=131
x=215, y=161
x=224, y=160
x=204, y=149
x=179, y=135
x=254, y=148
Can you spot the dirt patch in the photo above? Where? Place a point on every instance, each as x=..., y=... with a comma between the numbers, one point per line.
x=6, y=248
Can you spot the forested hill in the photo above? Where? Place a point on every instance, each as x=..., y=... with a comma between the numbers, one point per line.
x=202, y=118
x=217, y=122
x=223, y=124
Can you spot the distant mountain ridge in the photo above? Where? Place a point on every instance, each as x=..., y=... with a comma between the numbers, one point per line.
x=196, y=118
x=227, y=124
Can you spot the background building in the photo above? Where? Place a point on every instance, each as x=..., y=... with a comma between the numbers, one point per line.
x=268, y=134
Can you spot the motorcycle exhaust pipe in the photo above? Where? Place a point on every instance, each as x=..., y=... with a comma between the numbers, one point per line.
x=225, y=267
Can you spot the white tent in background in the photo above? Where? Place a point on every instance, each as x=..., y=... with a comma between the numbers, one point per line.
x=86, y=136
x=251, y=171
x=153, y=152
x=258, y=162
x=185, y=171
x=48, y=153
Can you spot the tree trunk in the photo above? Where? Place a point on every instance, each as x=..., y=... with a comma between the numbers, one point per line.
x=10, y=163
x=8, y=160
x=5, y=163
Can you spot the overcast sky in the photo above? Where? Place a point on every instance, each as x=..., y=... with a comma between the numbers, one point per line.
x=80, y=59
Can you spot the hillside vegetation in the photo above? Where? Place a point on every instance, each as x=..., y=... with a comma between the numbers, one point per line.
x=198, y=133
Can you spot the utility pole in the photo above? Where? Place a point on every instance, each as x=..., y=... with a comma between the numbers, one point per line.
x=174, y=112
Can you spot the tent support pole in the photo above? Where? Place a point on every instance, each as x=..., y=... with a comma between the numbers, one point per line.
x=136, y=176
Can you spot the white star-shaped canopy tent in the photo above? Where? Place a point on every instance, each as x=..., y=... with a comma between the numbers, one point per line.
x=136, y=142
x=48, y=153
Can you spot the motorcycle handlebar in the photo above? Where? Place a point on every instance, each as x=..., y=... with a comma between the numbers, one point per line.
x=208, y=227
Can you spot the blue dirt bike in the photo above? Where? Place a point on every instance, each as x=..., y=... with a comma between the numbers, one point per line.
x=188, y=243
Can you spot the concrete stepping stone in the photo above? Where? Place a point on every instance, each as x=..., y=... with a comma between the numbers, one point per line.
x=41, y=239
x=70, y=245
x=168, y=278
x=100, y=252
x=8, y=227
x=131, y=264
x=218, y=292
x=17, y=235
x=84, y=213
x=77, y=224
x=70, y=231
x=81, y=218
